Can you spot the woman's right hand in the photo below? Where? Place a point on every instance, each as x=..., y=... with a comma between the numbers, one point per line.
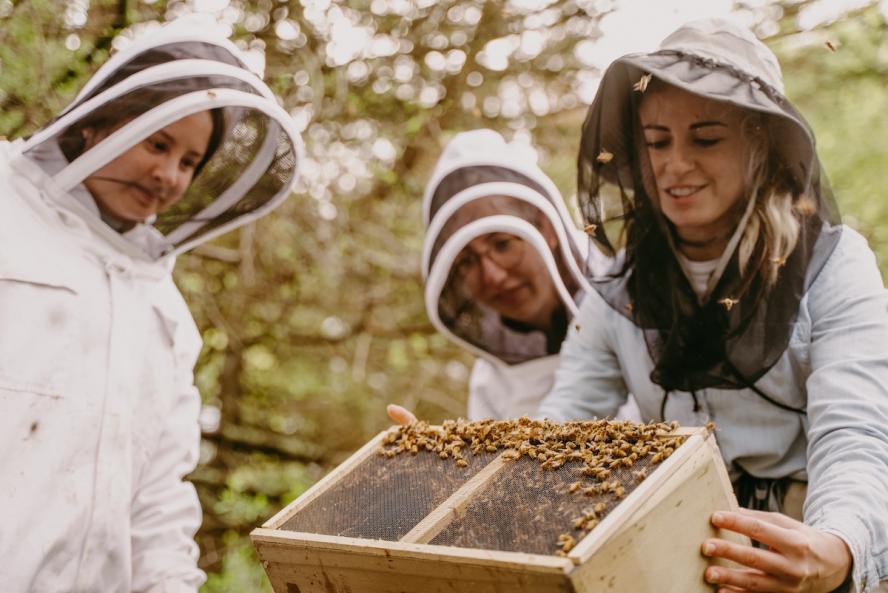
x=400, y=415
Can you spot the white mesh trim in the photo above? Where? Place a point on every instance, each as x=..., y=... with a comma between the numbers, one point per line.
x=166, y=36
x=153, y=75
x=440, y=271
x=172, y=111
x=234, y=193
x=532, y=172
x=567, y=244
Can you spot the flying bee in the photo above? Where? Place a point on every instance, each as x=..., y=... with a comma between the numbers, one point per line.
x=604, y=157
x=832, y=46
x=728, y=303
x=642, y=84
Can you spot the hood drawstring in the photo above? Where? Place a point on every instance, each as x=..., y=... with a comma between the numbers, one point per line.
x=667, y=393
x=696, y=401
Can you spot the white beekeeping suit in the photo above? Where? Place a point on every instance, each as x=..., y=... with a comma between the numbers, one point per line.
x=98, y=410
x=481, y=188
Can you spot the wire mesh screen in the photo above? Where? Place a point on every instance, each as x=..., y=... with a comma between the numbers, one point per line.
x=526, y=508
x=384, y=498
x=555, y=484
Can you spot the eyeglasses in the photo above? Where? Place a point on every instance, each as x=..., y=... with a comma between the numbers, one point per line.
x=505, y=250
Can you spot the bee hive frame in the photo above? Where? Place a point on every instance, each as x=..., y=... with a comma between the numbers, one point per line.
x=649, y=542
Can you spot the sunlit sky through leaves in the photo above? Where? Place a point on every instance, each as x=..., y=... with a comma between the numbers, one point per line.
x=546, y=58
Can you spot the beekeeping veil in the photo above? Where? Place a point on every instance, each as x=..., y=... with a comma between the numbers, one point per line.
x=249, y=167
x=480, y=195
x=741, y=326
x=481, y=162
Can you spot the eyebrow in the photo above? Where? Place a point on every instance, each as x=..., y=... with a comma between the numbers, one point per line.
x=696, y=126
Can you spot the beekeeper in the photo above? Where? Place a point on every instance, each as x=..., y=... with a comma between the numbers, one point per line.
x=504, y=268
x=172, y=142
x=741, y=300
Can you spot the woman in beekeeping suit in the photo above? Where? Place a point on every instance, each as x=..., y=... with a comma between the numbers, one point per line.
x=741, y=300
x=504, y=267
x=171, y=143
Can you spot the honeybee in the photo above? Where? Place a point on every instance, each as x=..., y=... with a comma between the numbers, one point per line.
x=642, y=84
x=604, y=157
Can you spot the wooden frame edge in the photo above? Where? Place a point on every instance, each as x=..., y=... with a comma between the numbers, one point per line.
x=537, y=563
x=616, y=519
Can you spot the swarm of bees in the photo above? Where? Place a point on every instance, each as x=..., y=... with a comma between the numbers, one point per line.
x=603, y=447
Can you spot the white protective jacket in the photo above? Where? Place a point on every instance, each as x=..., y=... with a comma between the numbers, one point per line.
x=98, y=409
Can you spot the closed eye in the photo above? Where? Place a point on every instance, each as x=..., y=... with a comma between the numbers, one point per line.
x=706, y=142
x=157, y=145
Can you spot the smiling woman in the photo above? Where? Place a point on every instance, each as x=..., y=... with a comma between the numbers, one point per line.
x=739, y=299
x=171, y=143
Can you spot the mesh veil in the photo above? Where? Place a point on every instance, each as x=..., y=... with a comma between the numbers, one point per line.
x=488, y=309
x=249, y=166
x=734, y=335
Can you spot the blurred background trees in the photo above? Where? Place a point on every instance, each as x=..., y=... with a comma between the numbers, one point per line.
x=313, y=318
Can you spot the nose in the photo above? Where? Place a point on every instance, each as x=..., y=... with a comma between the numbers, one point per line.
x=165, y=171
x=492, y=274
x=680, y=159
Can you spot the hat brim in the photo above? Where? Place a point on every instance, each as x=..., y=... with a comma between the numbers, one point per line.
x=791, y=135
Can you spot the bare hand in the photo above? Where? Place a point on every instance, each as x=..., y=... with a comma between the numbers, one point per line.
x=400, y=415
x=799, y=558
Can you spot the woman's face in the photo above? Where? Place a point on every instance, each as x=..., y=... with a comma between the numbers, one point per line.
x=699, y=158
x=152, y=175
x=508, y=275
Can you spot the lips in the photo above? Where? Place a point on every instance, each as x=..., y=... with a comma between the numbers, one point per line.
x=146, y=197
x=509, y=295
x=683, y=191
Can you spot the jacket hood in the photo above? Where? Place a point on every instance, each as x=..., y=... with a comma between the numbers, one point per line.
x=248, y=167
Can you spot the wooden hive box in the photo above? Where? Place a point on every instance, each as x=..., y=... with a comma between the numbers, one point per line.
x=415, y=524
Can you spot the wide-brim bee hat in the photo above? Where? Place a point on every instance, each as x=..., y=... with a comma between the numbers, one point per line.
x=251, y=163
x=739, y=328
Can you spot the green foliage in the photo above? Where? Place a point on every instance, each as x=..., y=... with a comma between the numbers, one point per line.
x=241, y=571
x=843, y=95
